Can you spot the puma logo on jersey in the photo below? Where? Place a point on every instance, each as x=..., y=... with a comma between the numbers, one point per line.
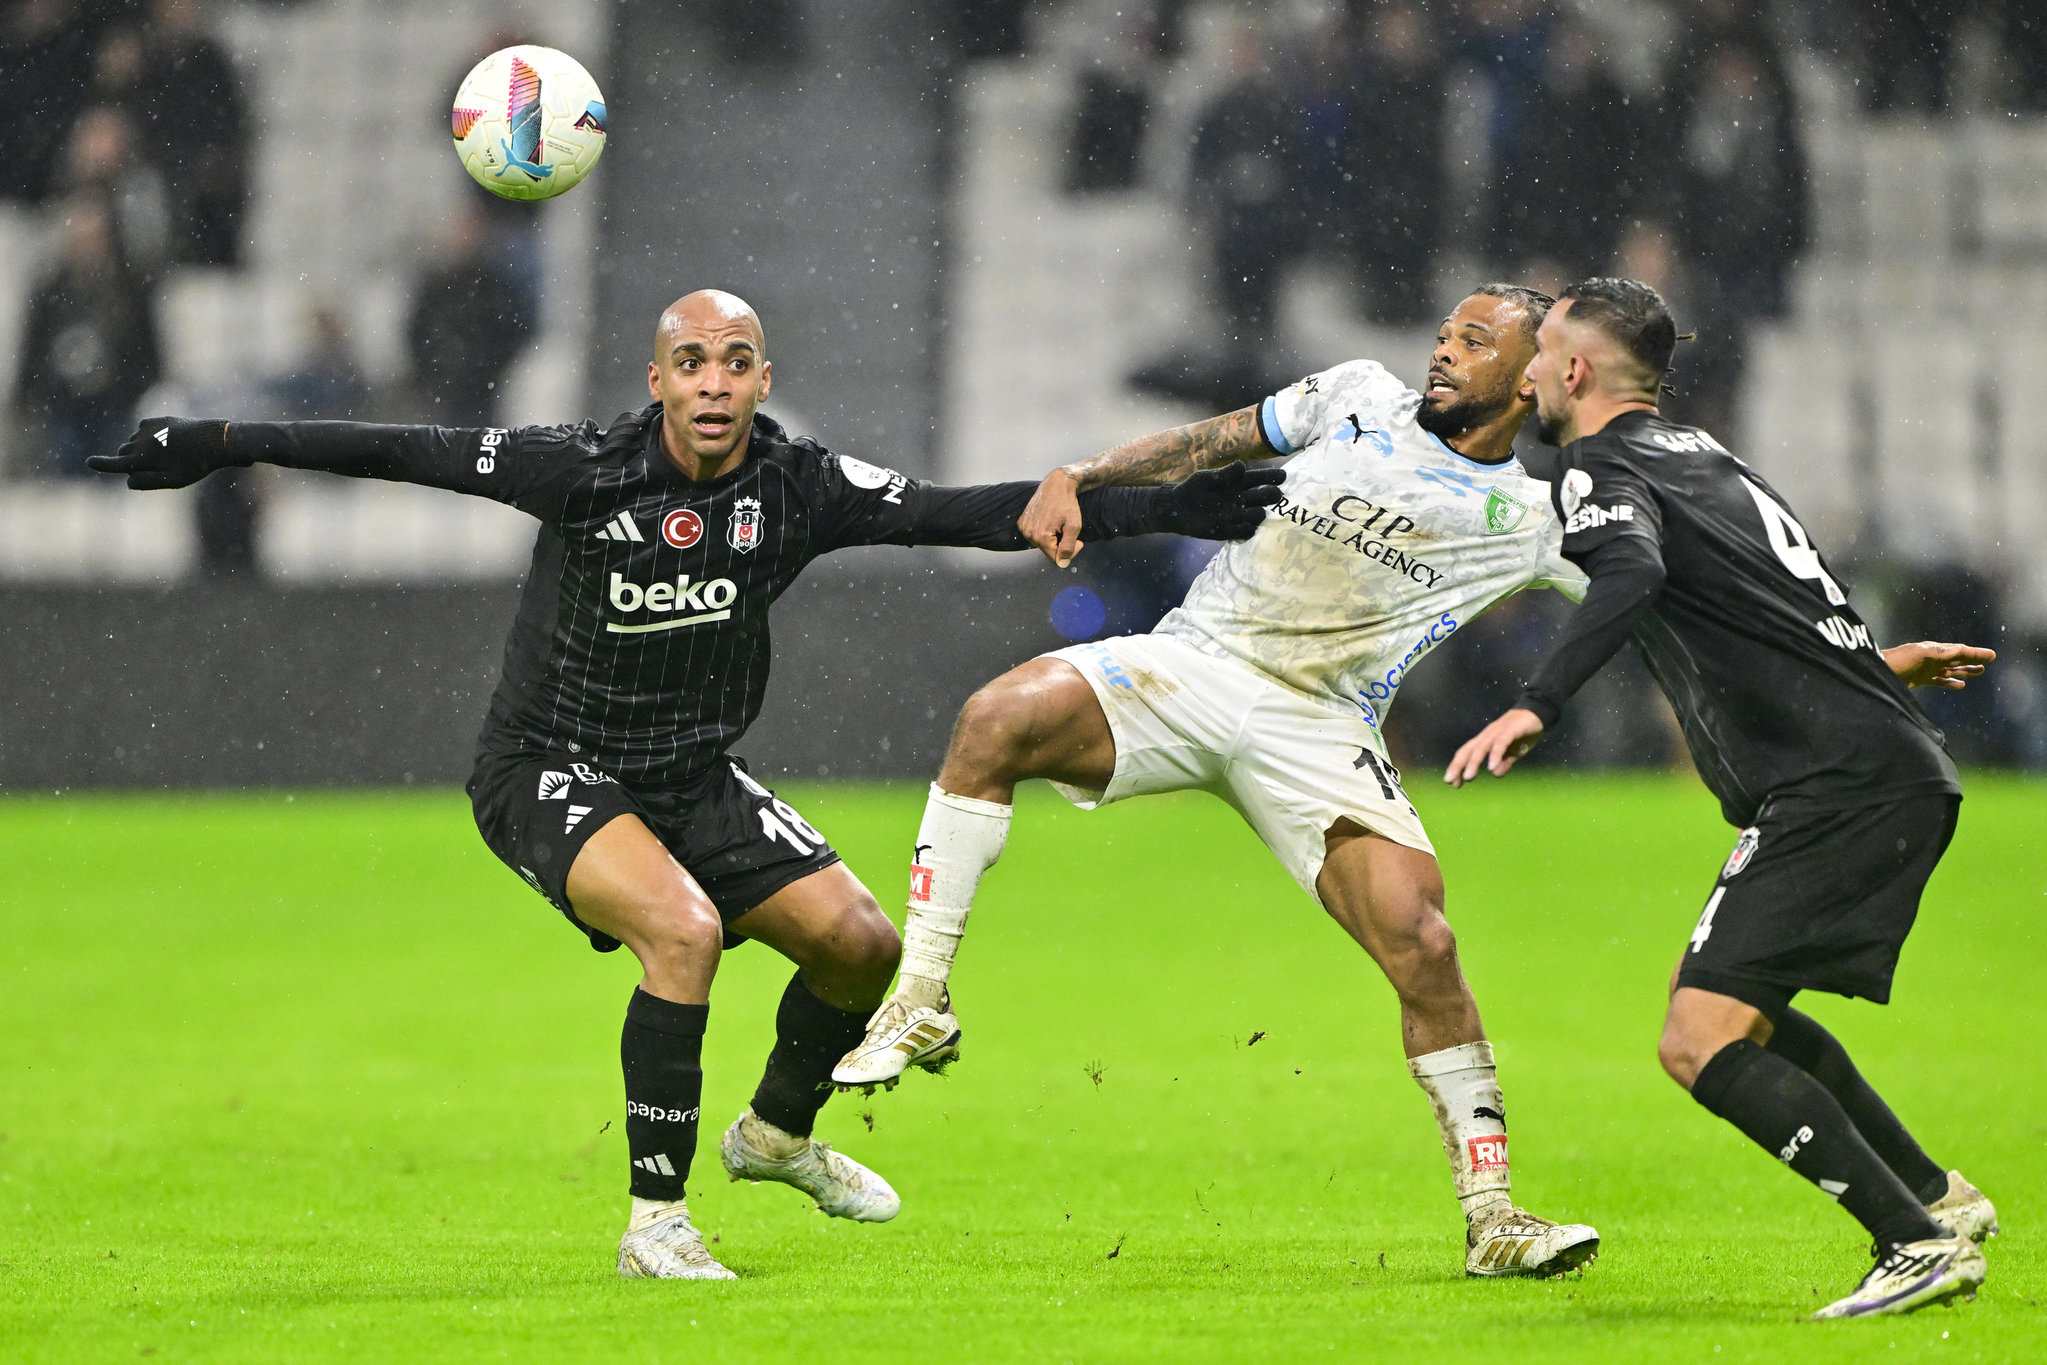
x=1591, y=517
x=1845, y=634
x=621, y=527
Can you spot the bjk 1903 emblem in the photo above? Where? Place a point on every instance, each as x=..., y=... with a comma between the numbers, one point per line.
x=744, y=533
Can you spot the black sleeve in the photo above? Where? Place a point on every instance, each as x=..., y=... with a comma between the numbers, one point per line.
x=530, y=467
x=1626, y=573
x=855, y=503
x=1600, y=498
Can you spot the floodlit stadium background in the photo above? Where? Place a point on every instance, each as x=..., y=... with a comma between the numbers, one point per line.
x=985, y=238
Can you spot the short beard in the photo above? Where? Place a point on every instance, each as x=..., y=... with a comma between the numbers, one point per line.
x=1549, y=430
x=1453, y=420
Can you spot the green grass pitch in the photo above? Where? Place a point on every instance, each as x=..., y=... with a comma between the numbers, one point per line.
x=315, y=1078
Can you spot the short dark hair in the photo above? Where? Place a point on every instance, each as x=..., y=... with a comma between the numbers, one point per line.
x=1533, y=303
x=1633, y=315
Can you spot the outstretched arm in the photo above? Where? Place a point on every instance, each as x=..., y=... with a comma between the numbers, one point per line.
x=1927, y=664
x=1215, y=505
x=1053, y=519
x=1626, y=576
x=167, y=452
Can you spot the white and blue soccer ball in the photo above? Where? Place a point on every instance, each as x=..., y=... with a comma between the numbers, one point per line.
x=529, y=122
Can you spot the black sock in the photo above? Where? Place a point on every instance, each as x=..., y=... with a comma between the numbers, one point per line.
x=662, y=1049
x=810, y=1037
x=1791, y=1116
x=1801, y=1040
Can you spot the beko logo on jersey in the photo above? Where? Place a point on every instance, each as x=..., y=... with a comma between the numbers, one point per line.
x=711, y=601
x=1591, y=517
x=1349, y=509
x=489, y=447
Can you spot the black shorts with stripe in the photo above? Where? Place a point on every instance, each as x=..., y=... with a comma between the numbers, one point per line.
x=740, y=841
x=1818, y=901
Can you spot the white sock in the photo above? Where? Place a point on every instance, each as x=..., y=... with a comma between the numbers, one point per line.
x=1464, y=1089
x=647, y=1212
x=959, y=840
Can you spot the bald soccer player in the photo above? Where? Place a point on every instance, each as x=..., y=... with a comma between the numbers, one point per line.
x=604, y=774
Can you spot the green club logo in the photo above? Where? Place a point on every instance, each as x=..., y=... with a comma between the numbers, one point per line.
x=1503, y=513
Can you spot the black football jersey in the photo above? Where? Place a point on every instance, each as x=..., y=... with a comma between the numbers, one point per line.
x=642, y=633
x=1780, y=687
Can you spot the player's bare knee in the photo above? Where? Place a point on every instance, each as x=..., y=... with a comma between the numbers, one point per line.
x=869, y=946
x=682, y=937
x=1679, y=1053
x=1419, y=955
x=992, y=736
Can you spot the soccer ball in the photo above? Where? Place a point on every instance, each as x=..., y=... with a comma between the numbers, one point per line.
x=529, y=122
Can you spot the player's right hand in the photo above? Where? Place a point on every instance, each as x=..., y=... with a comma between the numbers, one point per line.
x=1051, y=521
x=1497, y=747
x=167, y=452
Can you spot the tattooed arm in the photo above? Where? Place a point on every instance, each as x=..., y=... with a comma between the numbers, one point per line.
x=1052, y=520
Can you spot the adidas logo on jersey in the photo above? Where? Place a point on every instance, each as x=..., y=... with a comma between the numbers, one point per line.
x=576, y=814
x=621, y=527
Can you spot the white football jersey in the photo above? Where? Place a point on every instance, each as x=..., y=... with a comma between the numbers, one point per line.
x=1385, y=542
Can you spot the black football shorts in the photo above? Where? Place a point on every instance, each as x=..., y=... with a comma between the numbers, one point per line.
x=740, y=841
x=1818, y=901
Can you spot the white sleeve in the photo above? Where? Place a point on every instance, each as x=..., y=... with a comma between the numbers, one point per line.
x=1552, y=570
x=1298, y=416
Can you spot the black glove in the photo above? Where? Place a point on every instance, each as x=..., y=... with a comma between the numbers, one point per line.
x=168, y=452
x=1222, y=504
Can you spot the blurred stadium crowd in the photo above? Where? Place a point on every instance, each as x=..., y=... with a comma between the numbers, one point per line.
x=248, y=207
x=134, y=175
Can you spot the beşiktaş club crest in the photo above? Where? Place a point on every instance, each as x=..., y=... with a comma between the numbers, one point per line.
x=1744, y=849
x=744, y=533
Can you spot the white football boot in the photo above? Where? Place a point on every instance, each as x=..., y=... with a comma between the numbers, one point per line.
x=899, y=1036
x=1507, y=1240
x=668, y=1248
x=842, y=1187
x=1912, y=1275
x=1964, y=1210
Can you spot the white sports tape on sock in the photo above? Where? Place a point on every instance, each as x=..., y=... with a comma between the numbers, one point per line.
x=1463, y=1087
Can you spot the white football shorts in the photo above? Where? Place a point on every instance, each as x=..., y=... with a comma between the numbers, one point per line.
x=1187, y=720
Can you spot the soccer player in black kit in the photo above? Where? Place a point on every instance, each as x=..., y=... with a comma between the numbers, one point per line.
x=1842, y=789
x=639, y=656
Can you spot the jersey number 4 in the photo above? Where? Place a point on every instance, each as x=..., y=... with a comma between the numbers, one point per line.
x=1793, y=545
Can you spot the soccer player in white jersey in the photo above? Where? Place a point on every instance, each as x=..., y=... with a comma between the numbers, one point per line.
x=1403, y=515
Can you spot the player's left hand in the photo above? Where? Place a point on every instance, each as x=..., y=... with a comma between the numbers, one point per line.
x=1497, y=747
x=1928, y=664
x=167, y=452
